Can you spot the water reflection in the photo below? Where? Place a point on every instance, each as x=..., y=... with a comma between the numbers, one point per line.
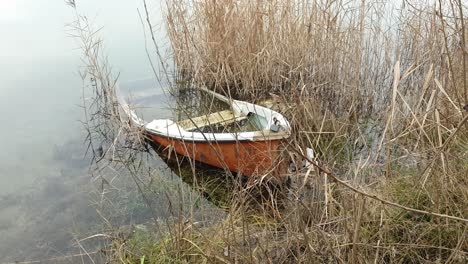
x=48, y=195
x=214, y=184
x=55, y=218
x=48, y=221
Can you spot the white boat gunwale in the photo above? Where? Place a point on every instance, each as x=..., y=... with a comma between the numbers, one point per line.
x=169, y=129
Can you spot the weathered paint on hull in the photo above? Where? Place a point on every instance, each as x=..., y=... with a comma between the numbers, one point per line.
x=250, y=158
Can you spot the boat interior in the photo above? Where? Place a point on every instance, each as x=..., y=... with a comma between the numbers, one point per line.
x=200, y=112
x=197, y=110
x=224, y=122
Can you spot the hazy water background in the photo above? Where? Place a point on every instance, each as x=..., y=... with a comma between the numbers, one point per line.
x=44, y=179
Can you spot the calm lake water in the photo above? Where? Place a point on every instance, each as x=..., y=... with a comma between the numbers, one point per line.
x=48, y=195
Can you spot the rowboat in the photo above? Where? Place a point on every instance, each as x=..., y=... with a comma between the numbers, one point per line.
x=251, y=147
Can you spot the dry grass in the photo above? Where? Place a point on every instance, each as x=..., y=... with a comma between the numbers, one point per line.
x=378, y=92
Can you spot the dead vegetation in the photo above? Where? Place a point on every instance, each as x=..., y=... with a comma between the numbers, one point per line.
x=378, y=91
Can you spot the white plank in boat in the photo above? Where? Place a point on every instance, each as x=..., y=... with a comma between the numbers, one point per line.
x=225, y=117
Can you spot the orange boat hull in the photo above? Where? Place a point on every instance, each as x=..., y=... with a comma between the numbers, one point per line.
x=249, y=158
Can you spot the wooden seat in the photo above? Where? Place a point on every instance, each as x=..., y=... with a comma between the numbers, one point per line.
x=223, y=118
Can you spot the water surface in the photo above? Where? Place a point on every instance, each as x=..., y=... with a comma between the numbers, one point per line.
x=48, y=195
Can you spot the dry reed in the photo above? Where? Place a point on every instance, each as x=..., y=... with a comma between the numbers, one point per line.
x=377, y=91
